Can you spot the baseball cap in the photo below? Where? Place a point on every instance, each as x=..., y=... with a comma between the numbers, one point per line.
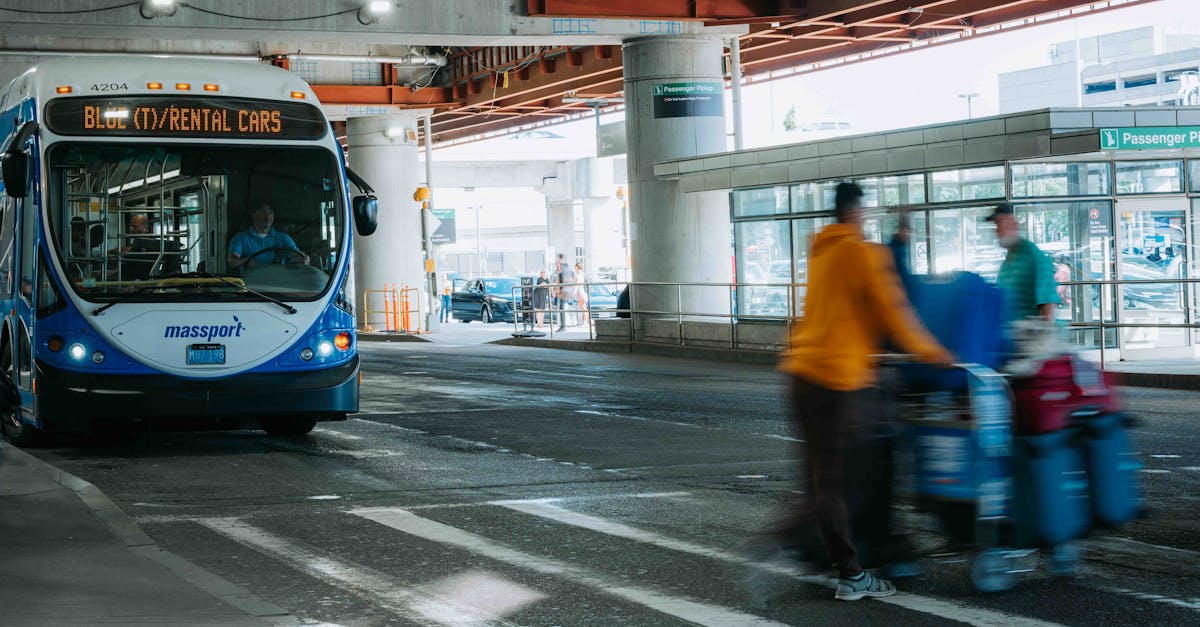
x=1002, y=209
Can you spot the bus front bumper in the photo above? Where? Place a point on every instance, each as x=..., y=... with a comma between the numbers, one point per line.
x=73, y=401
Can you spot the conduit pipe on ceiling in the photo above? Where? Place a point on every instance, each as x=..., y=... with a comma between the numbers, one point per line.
x=413, y=59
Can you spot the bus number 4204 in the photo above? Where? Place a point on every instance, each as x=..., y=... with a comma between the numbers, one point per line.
x=109, y=86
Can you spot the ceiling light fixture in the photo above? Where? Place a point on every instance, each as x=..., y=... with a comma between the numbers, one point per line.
x=159, y=8
x=372, y=10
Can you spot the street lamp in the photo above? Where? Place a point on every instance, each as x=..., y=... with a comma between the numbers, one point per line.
x=969, y=97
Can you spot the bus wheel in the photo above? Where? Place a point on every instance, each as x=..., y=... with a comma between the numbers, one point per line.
x=287, y=425
x=17, y=432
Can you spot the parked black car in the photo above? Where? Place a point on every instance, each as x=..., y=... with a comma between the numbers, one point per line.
x=487, y=300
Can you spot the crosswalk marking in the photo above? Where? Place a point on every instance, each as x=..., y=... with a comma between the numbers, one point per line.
x=421, y=607
x=925, y=605
x=686, y=609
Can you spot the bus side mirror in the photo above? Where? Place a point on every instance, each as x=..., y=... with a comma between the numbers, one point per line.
x=366, y=214
x=14, y=166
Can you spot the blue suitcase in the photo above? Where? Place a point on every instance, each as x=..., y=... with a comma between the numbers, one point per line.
x=1051, y=491
x=965, y=313
x=1113, y=469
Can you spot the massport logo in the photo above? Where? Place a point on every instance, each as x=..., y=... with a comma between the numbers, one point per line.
x=207, y=332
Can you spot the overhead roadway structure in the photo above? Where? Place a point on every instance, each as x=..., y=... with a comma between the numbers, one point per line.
x=493, y=66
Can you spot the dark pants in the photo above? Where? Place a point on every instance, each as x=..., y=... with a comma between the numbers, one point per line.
x=825, y=419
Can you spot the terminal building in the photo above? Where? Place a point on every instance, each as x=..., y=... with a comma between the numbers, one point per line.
x=1108, y=193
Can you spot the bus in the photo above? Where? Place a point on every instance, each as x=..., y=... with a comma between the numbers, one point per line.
x=174, y=248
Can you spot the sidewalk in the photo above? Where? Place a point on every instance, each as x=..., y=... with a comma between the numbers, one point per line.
x=70, y=556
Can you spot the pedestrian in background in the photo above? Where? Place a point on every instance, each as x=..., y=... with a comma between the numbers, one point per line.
x=853, y=304
x=581, y=298
x=565, y=276
x=447, y=300
x=541, y=298
x=1027, y=274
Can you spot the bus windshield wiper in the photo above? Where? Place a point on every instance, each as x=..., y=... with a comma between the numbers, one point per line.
x=242, y=286
x=165, y=280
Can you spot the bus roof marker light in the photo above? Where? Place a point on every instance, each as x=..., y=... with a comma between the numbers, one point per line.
x=299, y=95
x=151, y=9
x=372, y=10
x=154, y=86
x=63, y=89
x=211, y=87
x=183, y=86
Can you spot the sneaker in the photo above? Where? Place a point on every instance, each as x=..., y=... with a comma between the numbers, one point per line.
x=866, y=584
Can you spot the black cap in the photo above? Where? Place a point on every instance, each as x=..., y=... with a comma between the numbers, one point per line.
x=1002, y=209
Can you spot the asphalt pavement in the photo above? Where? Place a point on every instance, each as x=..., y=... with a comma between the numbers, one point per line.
x=488, y=484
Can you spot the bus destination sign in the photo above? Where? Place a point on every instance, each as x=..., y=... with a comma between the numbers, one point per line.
x=167, y=117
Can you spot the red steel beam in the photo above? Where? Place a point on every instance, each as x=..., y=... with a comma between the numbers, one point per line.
x=424, y=98
x=664, y=9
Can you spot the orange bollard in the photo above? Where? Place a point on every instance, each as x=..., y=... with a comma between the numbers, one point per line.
x=404, y=308
x=395, y=308
x=387, y=309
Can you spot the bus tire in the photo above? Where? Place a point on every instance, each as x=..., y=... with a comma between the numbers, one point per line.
x=287, y=425
x=17, y=432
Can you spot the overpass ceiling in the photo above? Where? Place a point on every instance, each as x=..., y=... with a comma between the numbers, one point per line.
x=489, y=66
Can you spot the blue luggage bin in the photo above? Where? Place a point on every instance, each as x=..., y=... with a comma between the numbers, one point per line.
x=1051, y=503
x=1113, y=470
x=965, y=313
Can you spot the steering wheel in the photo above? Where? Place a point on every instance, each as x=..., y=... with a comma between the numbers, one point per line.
x=274, y=249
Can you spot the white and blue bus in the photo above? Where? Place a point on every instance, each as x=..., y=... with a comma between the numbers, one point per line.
x=174, y=246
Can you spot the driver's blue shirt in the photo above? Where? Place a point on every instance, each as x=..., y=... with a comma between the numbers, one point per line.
x=247, y=242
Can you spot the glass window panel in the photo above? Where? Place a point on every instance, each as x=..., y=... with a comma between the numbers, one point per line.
x=1060, y=179
x=969, y=184
x=1149, y=177
x=962, y=240
x=804, y=198
x=803, y=233
x=764, y=201
x=764, y=256
x=1194, y=177
x=893, y=191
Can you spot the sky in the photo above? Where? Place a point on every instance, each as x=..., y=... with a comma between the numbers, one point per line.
x=904, y=90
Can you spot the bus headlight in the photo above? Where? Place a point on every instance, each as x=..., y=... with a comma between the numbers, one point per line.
x=306, y=354
x=97, y=357
x=78, y=352
x=325, y=348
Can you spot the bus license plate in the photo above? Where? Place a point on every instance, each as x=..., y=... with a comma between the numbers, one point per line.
x=205, y=354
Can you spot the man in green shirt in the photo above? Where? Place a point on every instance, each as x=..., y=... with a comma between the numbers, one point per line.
x=1027, y=274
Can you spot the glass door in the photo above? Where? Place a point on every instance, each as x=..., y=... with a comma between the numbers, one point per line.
x=1154, y=243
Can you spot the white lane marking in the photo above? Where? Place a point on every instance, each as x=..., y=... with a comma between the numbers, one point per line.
x=686, y=609
x=558, y=374
x=1191, y=468
x=1157, y=598
x=376, y=587
x=336, y=434
x=1156, y=471
x=324, y=497
x=480, y=589
x=1166, y=456
x=925, y=605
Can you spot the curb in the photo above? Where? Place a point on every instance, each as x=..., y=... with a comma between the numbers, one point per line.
x=1165, y=381
x=746, y=356
x=129, y=532
x=391, y=337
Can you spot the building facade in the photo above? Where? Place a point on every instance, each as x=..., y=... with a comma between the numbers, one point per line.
x=1109, y=194
x=1138, y=67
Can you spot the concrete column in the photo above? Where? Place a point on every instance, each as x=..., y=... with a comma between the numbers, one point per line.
x=594, y=236
x=560, y=228
x=675, y=237
x=393, y=167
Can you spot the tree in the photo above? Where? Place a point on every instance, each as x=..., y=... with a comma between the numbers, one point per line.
x=789, y=119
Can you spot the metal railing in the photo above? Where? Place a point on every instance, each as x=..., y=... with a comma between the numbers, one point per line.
x=525, y=311
x=398, y=311
x=1109, y=313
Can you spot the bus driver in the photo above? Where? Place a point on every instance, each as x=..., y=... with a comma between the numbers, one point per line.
x=249, y=248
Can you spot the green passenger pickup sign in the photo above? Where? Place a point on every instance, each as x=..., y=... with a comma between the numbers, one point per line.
x=1150, y=138
x=689, y=100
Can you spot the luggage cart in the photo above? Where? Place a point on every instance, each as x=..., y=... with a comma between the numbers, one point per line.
x=962, y=453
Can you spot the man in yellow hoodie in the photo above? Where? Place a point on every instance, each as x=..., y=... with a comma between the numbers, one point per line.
x=853, y=305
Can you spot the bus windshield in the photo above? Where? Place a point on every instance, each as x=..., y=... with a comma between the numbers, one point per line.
x=127, y=218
